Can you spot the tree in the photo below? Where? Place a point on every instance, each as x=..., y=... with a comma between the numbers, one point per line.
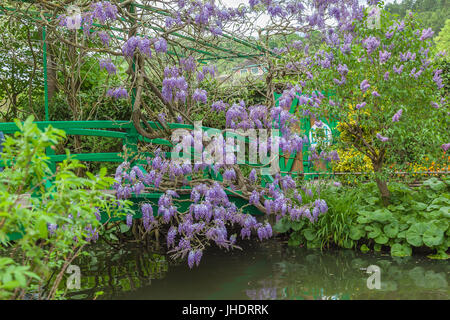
x=443, y=39
x=433, y=13
x=387, y=92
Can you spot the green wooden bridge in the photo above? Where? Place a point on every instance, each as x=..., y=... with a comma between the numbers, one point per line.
x=293, y=163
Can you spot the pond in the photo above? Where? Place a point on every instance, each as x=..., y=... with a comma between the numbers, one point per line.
x=268, y=270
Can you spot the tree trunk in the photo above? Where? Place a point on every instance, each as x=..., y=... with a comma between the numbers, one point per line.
x=381, y=183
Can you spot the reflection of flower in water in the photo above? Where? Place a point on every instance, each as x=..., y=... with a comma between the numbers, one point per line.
x=267, y=290
x=262, y=294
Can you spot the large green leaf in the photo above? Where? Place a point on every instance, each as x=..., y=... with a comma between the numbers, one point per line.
x=293, y=242
x=415, y=233
x=400, y=250
x=435, y=184
x=381, y=239
x=445, y=211
x=373, y=231
x=282, y=226
x=419, y=206
x=315, y=244
x=372, y=200
x=433, y=236
x=364, y=248
x=310, y=234
x=356, y=232
x=382, y=215
x=297, y=225
x=391, y=229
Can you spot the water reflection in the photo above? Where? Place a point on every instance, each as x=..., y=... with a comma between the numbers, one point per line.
x=266, y=271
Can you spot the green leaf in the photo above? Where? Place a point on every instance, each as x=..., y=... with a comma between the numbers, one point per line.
x=372, y=200
x=414, y=234
x=440, y=255
x=310, y=234
x=364, y=248
x=282, y=226
x=381, y=239
x=445, y=211
x=433, y=236
x=419, y=206
x=348, y=244
x=124, y=227
x=373, y=231
x=297, y=225
x=382, y=215
x=313, y=244
x=112, y=236
x=435, y=184
x=362, y=219
x=356, y=232
x=42, y=228
x=391, y=229
x=401, y=250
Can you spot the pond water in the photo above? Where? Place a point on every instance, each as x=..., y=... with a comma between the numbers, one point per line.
x=268, y=270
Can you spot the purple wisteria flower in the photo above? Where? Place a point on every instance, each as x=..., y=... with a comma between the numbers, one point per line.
x=399, y=70
x=133, y=43
x=117, y=93
x=219, y=106
x=104, y=38
x=200, y=95
x=371, y=43
x=52, y=228
x=342, y=69
x=191, y=259
x=386, y=76
x=108, y=65
x=364, y=86
x=252, y=176
x=438, y=79
x=381, y=138
x=384, y=56
x=92, y=233
x=389, y=34
x=445, y=146
x=171, y=236
x=397, y=115
x=426, y=33
x=97, y=215
x=188, y=64
x=160, y=45
x=415, y=74
x=104, y=10
x=229, y=174
x=129, y=220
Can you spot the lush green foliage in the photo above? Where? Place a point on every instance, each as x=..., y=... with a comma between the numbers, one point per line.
x=443, y=39
x=356, y=217
x=390, y=115
x=432, y=12
x=44, y=235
